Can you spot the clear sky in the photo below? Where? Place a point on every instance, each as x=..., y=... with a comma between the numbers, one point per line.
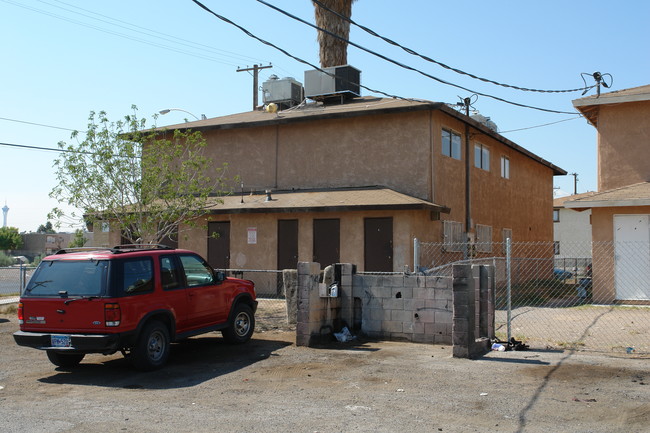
x=62, y=59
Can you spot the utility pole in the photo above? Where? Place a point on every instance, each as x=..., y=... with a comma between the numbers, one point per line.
x=575, y=182
x=256, y=69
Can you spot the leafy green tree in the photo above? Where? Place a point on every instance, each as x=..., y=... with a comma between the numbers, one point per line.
x=148, y=182
x=6, y=260
x=78, y=240
x=10, y=239
x=46, y=228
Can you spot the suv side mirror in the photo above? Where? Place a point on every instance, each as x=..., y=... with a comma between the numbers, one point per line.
x=219, y=276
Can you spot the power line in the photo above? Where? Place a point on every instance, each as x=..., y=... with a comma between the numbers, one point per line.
x=388, y=59
x=38, y=124
x=428, y=59
x=24, y=146
x=122, y=35
x=283, y=51
x=539, y=126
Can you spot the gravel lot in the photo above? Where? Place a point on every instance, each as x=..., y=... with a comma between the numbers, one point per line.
x=270, y=385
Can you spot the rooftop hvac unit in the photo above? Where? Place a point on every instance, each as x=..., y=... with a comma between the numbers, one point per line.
x=285, y=92
x=335, y=82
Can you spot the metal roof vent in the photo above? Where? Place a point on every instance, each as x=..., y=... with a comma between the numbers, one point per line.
x=336, y=83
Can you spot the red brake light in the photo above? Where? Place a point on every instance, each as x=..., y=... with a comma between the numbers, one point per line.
x=112, y=314
x=21, y=317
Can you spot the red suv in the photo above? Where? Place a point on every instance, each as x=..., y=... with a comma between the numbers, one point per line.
x=136, y=299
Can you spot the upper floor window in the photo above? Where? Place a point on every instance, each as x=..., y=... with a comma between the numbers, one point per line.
x=481, y=157
x=505, y=167
x=451, y=143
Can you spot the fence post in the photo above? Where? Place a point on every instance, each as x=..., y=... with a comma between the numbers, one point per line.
x=416, y=255
x=509, y=287
x=21, y=279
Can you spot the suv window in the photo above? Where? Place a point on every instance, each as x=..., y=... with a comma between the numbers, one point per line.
x=136, y=275
x=170, y=274
x=72, y=278
x=197, y=272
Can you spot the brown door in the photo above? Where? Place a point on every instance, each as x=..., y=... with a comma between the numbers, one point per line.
x=378, y=244
x=326, y=242
x=219, y=244
x=287, y=244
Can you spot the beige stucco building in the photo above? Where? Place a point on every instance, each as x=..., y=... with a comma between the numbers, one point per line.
x=356, y=182
x=621, y=208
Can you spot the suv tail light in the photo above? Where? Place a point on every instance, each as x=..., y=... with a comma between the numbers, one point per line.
x=21, y=318
x=112, y=314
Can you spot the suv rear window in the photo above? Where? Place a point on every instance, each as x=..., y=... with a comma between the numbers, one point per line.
x=133, y=276
x=67, y=277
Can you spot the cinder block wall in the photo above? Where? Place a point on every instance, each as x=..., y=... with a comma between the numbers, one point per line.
x=404, y=307
x=456, y=310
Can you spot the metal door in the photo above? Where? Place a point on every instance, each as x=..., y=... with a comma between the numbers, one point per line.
x=378, y=244
x=219, y=244
x=287, y=244
x=632, y=257
x=327, y=242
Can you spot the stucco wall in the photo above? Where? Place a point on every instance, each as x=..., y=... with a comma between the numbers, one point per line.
x=623, y=137
x=573, y=231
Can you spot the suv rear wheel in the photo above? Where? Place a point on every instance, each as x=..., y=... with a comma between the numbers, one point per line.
x=152, y=348
x=241, y=326
x=64, y=359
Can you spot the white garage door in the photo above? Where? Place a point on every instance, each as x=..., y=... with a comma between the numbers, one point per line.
x=632, y=256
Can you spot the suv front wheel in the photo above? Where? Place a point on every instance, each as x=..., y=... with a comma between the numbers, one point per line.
x=241, y=325
x=152, y=348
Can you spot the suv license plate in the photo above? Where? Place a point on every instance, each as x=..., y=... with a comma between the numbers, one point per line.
x=60, y=341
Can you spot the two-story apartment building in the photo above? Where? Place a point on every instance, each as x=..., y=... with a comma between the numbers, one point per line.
x=620, y=210
x=357, y=181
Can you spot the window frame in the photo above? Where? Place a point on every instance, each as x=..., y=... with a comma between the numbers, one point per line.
x=483, y=238
x=505, y=167
x=556, y=212
x=453, y=236
x=480, y=153
x=448, y=148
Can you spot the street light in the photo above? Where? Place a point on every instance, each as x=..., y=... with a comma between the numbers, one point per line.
x=167, y=110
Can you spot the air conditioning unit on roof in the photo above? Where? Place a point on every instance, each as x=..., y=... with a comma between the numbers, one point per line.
x=285, y=92
x=336, y=82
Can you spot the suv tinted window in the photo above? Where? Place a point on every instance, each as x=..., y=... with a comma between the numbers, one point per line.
x=135, y=275
x=74, y=278
x=170, y=274
x=197, y=272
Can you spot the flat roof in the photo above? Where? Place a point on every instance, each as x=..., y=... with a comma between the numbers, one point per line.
x=321, y=200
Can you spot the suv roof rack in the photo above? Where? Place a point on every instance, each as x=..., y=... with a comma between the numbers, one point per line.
x=79, y=249
x=139, y=247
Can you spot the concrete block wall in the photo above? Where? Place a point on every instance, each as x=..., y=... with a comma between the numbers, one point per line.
x=404, y=307
x=456, y=310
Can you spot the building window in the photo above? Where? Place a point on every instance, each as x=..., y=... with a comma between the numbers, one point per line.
x=556, y=247
x=556, y=215
x=481, y=157
x=106, y=227
x=453, y=232
x=483, y=238
x=505, y=167
x=506, y=234
x=450, y=144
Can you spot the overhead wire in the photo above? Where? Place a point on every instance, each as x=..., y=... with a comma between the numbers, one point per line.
x=430, y=60
x=37, y=124
x=285, y=52
x=388, y=59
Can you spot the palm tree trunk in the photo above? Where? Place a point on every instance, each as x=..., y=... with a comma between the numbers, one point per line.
x=333, y=51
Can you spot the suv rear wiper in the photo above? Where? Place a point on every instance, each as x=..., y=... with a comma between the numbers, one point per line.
x=36, y=284
x=67, y=301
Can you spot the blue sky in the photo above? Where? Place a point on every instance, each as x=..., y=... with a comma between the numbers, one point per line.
x=62, y=59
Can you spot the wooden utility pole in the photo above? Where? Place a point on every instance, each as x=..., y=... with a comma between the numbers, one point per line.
x=256, y=69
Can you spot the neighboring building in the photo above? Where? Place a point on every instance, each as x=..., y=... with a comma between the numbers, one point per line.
x=620, y=211
x=571, y=229
x=36, y=244
x=356, y=182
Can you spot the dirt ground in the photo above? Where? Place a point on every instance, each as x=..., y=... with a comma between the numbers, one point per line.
x=270, y=385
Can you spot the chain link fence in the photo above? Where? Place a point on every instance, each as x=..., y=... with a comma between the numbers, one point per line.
x=590, y=296
x=14, y=279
